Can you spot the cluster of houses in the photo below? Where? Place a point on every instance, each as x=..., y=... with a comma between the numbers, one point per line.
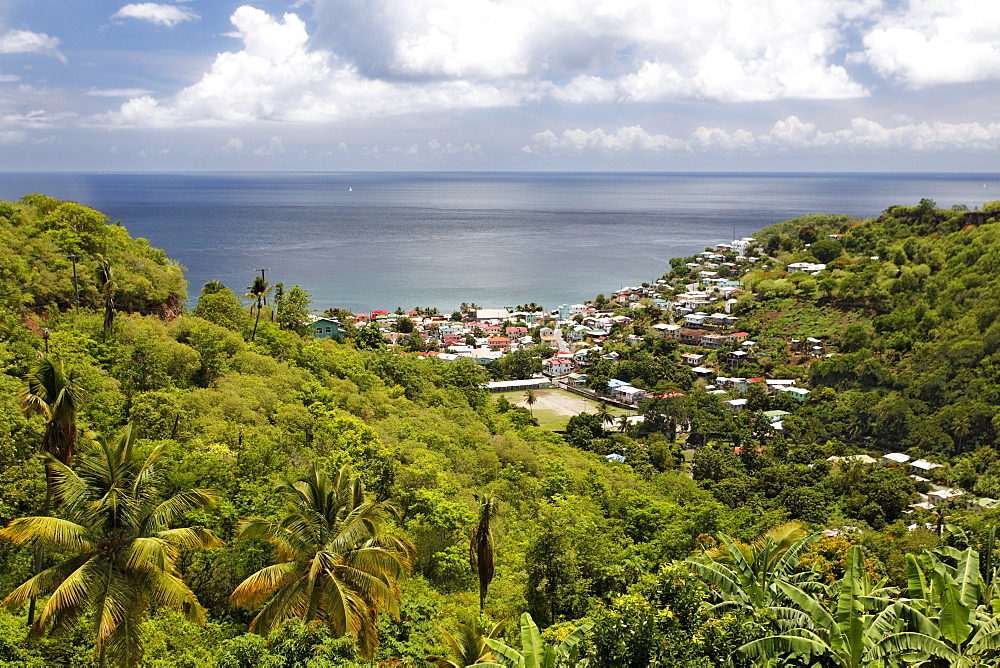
x=486, y=335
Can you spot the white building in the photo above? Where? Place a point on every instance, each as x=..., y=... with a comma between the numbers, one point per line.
x=741, y=246
x=557, y=366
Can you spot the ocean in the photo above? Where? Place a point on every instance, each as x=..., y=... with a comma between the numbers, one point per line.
x=368, y=240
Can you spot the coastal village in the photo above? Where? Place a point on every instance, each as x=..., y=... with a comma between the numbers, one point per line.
x=696, y=306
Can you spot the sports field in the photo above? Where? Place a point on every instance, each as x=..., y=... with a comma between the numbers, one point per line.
x=554, y=408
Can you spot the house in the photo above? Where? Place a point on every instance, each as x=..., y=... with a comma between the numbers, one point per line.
x=713, y=341
x=799, y=394
x=736, y=404
x=941, y=495
x=492, y=315
x=689, y=337
x=326, y=328
x=741, y=246
x=669, y=331
x=557, y=366
x=692, y=359
x=629, y=394
x=501, y=343
x=852, y=459
x=924, y=466
x=736, y=359
x=895, y=458
x=808, y=267
x=775, y=416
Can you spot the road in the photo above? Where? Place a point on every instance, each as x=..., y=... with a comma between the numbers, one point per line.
x=560, y=342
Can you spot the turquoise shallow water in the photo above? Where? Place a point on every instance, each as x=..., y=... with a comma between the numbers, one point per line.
x=381, y=240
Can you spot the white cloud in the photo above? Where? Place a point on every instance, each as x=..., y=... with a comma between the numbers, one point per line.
x=730, y=50
x=233, y=146
x=158, y=14
x=274, y=146
x=430, y=55
x=787, y=134
x=12, y=136
x=437, y=148
x=622, y=139
x=117, y=92
x=928, y=42
x=276, y=76
x=26, y=41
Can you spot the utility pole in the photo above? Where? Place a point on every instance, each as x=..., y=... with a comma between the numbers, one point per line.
x=76, y=287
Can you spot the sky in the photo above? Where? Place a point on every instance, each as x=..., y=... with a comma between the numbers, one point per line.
x=587, y=85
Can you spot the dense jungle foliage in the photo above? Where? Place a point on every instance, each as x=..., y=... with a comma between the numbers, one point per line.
x=213, y=487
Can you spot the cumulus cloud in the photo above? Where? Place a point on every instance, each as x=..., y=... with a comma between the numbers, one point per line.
x=26, y=41
x=233, y=146
x=158, y=14
x=277, y=76
x=429, y=55
x=437, y=148
x=274, y=146
x=728, y=50
x=928, y=42
x=786, y=134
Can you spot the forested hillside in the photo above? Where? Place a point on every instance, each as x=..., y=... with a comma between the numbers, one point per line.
x=214, y=487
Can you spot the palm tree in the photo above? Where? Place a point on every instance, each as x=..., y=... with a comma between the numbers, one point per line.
x=106, y=286
x=481, y=547
x=468, y=646
x=623, y=424
x=212, y=287
x=335, y=562
x=120, y=552
x=604, y=412
x=53, y=391
x=534, y=653
x=530, y=398
x=257, y=292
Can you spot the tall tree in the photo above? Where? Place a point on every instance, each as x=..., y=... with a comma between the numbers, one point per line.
x=258, y=293
x=120, y=551
x=481, y=546
x=211, y=287
x=107, y=287
x=604, y=412
x=53, y=391
x=530, y=398
x=336, y=564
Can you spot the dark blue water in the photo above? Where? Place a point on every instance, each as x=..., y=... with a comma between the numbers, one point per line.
x=439, y=239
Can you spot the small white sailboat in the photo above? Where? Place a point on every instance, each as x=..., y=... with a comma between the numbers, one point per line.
x=350, y=189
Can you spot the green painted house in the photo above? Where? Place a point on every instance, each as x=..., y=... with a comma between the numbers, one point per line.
x=327, y=328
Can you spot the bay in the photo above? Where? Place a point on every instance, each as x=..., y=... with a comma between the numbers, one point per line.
x=367, y=240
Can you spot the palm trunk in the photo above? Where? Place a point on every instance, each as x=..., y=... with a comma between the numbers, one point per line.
x=255, y=323
x=39, y=554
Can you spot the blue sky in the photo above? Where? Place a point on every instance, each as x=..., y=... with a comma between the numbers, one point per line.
x=674, y=85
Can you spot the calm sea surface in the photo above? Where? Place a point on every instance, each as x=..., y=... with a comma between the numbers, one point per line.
x=381, y=240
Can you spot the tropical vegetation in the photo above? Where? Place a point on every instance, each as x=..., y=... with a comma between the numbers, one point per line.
x=205, y=484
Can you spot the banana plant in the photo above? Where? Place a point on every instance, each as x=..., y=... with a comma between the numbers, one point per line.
x=468, y=645
x=534, y=653
x=849, y=635
x=955, y=610
x=745, y=575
